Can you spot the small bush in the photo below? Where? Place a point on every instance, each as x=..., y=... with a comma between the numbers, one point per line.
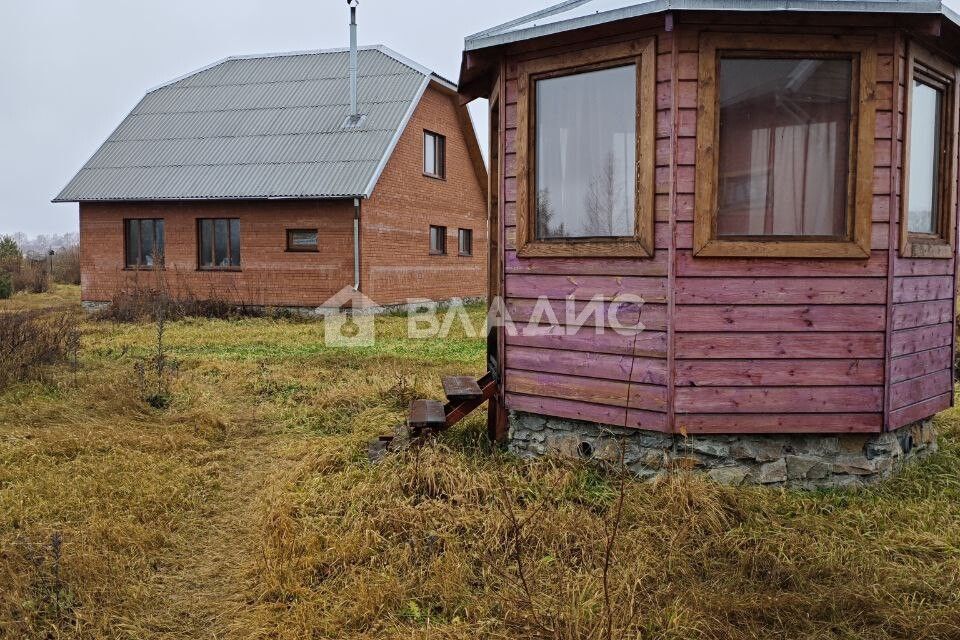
x=66, y=266
x=33, y=340
x=6, y=285
x=32, y=277
x=139, y=303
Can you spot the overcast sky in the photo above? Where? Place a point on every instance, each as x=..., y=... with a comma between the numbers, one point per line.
x=70, y=70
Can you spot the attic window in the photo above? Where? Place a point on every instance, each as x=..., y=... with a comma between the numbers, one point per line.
x=787, y=125
x=929, y=152
x=355, y=121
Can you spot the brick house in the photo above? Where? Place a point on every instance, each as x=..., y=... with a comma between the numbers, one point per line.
x=257, y=180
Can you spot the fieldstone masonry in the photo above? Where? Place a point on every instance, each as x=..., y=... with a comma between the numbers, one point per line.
x=796, y=461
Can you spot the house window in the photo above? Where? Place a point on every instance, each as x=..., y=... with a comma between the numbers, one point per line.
x=144, y=243
x=586, y=157
x=791, y=124
x=219, y=243
x=434, y=155
x=929, y=157
x=466, y=242
x=438, y=241
x=302, y=240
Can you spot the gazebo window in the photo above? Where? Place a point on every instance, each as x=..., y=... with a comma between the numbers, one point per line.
x=929, y=157
x=791, y=120
x=585, y=145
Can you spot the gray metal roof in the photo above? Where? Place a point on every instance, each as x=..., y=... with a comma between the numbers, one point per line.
x=577, y=14
x=257, y=127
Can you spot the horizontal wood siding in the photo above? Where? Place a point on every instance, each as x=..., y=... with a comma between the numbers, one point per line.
x=785, y=345
x=733, y=345
x=922, y=332
x=613, y=378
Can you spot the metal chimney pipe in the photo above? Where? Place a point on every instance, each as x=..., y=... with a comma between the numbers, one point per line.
x=354, y=108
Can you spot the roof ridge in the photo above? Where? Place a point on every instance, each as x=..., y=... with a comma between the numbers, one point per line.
x=566, y=4
x=382, y=48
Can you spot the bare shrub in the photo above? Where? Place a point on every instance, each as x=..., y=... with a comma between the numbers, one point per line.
x=32, y=277
x=66, y=265
x=144, y=296
x=30, y=341
x=140, y=304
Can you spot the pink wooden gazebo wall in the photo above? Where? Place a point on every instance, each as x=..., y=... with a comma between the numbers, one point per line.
x=737, y=345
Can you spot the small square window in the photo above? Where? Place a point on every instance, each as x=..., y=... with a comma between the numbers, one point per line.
x=144, y=243
x=434, y=155
x=219, y=244
x=438, y=241
x=928, y=164
x=302, y=240
x=466, y=242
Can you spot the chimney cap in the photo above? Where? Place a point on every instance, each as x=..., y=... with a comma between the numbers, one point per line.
x=353, y=3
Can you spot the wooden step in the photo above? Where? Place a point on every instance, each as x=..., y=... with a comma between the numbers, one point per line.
x=427, y=414
x=462, y=389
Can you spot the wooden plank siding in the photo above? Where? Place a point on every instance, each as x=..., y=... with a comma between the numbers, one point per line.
x=784, y=345
x=922, y=334
x=611, y=378
x=734, y=345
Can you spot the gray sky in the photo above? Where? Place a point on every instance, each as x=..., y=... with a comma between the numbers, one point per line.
x=72, y=69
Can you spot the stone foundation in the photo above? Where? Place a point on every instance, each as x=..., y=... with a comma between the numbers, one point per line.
x=321, y=312
x=796, y=461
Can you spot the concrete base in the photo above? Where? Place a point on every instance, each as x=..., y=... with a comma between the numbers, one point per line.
x=91, y=306
x=796, y=461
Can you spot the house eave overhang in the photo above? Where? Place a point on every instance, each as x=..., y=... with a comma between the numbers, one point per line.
x=512, y=32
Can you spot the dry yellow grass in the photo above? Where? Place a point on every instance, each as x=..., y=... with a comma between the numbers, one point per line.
x=248, y=510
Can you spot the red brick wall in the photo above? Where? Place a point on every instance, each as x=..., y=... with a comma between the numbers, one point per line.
x=270, y=275
x=396, y=220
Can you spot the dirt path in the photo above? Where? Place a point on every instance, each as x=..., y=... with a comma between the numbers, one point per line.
x=203, y=584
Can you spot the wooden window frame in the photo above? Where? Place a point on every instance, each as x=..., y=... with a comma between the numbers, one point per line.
x=295, y=249
x=460, y=235
x=126, y=244
x=440, y=154
x=945, y=76
x=863, y=53
x=213, y=245
x=443, y=235
x=642, y=53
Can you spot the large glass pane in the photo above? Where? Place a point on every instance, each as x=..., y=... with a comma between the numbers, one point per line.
x=133, y=243
x=586, y=154
x=159, y=242
x=146, y=242
x=206, y=243
x=221, y=241
x=784, y=146
x=235, y=243
x=925, y=125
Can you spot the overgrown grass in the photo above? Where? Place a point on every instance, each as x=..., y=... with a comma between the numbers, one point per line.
x=247, y=509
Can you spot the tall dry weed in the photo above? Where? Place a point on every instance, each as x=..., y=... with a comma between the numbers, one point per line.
x=30, y=341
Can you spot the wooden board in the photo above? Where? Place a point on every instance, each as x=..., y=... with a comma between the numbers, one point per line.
x=779, y=400
x=805, y=318
x=779, y=345
x=461, y=388
x=778, y=373
x=426, y=414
